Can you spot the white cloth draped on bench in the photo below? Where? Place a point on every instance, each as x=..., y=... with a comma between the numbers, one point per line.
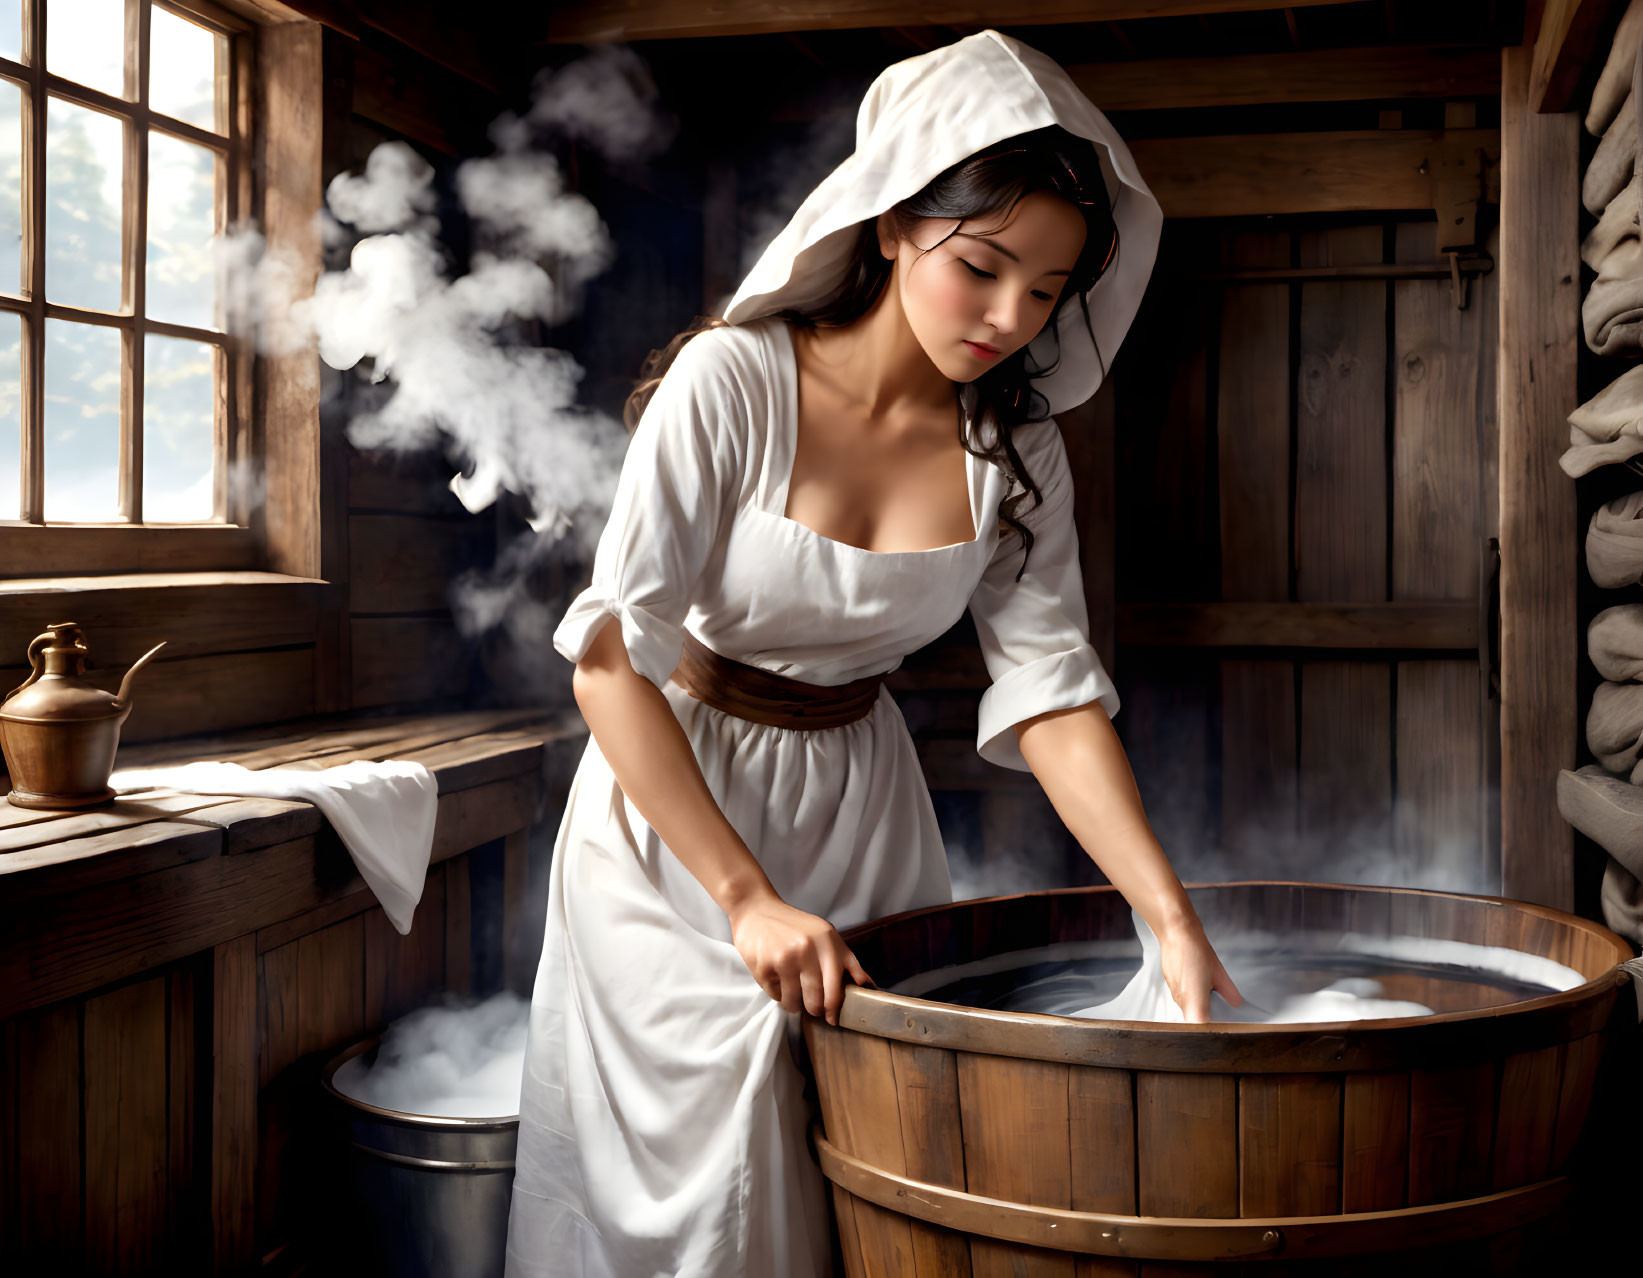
x=383, y=812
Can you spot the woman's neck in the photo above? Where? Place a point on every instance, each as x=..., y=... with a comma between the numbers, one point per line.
x=876, y=361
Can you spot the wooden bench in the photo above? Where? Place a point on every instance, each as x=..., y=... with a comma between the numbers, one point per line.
x=175, y=968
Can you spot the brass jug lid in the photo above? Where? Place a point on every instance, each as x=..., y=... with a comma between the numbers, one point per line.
x=57, y=690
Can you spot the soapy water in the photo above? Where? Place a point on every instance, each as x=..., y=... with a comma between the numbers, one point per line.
x=446, y=1061
x=1302, y=978
x=467, y=1061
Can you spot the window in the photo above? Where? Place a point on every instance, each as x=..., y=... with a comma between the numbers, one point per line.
x=123, y=402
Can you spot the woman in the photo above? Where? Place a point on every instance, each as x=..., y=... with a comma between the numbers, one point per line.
x=815, y=488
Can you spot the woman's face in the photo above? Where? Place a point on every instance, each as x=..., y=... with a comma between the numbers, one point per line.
x=991, y=283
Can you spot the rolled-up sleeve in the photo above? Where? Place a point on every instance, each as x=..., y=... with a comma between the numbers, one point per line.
x=678, y=486
x=1034, y=633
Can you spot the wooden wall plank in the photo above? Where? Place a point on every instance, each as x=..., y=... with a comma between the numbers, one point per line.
x=1438, y=627
x=1340, y=497
x=1253, y=175
x=403, y=660
x=1539, y=640
x=1345, y=747
x=1258, y=776
x=404, y=972
x=126, y=1128
x=187, y=1193
x=1313, y=75
x=225, y=612
x=331, y=986
x=235, y=1026
x=1437, y=539
x=397, y=481
x=50, y=1208
x=1438, y=830
x=458, y=925
x=212, y=694
x=1252, y=423
x=406, y=563
x=9, y=1170
x=1437, y=394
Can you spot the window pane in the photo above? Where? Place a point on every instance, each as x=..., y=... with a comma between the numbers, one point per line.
x=11, y=188
x=82, y=422
x=85, y=165
x=85, y=42
x=11, y=415
x=182, y=69
x=178, y=408
x=181, y=221
x=11, y=29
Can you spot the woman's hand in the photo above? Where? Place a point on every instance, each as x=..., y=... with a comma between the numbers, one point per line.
x=1192, y=970
x=797, y=958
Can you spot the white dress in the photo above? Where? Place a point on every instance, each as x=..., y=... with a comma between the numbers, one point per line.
x=662, y=1118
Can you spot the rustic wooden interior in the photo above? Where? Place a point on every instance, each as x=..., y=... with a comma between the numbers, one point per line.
x=1327, y=553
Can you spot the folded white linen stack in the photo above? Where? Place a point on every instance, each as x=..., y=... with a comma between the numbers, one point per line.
x=1606, y=428
x=1614, y=82
x=1611, y=313
x=383, y=812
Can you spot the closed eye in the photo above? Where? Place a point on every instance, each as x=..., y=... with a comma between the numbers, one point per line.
x=987, y=275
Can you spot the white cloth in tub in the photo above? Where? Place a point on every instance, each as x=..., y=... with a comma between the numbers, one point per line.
x=383, y=812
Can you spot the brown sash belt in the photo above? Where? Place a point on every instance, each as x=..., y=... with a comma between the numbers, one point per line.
x=771, y=699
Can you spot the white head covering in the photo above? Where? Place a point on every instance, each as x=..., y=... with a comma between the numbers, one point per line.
x=920, y=117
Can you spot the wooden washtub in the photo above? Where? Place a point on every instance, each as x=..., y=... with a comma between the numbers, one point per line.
x=970, y=1142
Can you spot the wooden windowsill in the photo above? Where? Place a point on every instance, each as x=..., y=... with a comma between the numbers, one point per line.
x=147, y=581
x=45, y=549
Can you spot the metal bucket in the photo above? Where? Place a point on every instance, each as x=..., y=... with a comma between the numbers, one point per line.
x=427, y=1197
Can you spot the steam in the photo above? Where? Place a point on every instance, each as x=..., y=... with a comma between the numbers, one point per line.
x=453, y=1061
x=1410, y=849
x=456, y=359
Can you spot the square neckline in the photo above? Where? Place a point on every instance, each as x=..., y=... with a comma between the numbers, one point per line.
x=791, y=407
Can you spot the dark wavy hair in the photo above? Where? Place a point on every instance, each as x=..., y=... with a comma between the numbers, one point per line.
x=984, y=185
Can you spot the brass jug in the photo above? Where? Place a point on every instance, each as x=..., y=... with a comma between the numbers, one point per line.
x=57, y=731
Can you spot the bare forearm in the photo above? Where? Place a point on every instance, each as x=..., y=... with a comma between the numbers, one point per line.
x=1077, y=758
x=657, y=770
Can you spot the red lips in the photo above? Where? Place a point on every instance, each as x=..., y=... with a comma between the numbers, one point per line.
x=981, y=348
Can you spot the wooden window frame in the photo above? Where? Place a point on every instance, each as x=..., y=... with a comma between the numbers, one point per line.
x=267, y=411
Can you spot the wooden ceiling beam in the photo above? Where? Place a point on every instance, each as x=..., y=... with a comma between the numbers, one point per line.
x=1571, y=33
x=476, y=51
x=1322, y=75
x=603, y=21
x=1245, y=175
